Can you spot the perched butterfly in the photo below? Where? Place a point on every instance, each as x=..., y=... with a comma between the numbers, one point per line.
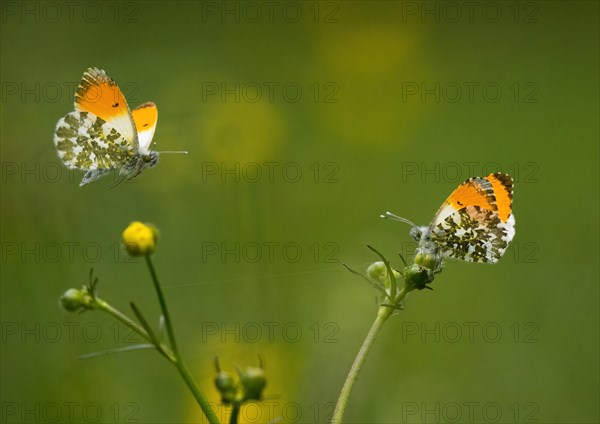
x=102, y=134
x=474, y=224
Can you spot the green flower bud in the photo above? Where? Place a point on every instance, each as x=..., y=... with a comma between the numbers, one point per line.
x=427, y=260
x=227, y=386
x=74, y=300
x=429, y=256
x=253, y=381
x=417, y=277
x=378, y=271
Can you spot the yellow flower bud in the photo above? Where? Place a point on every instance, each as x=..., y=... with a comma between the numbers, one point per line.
x=140, y=239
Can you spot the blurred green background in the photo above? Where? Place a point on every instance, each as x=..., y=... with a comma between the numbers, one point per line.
x=381, y=106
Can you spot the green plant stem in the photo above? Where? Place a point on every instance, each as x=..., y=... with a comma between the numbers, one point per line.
x=235, y=413
x=163, y=305
x=105, y=306
x=383, y=314
x=177, y=360
x=120, y=316
x=191, y=383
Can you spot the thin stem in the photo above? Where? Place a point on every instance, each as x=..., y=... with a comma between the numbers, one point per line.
x=235, y=413
x=191, y=383
x=163, y=305
x=382, y=315
x=178, y=361
x=103, y=305
x=120, y=316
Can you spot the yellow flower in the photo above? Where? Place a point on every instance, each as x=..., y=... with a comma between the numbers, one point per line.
x=140, y=239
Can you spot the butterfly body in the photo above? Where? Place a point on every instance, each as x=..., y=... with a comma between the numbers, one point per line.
x=102, y=134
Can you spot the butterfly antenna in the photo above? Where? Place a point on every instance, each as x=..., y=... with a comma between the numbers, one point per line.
x=389, y=215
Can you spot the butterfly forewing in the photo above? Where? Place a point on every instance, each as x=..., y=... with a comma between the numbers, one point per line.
x=100, y=95
x=503, y=192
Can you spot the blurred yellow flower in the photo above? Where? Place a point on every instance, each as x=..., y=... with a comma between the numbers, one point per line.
x=140, y=239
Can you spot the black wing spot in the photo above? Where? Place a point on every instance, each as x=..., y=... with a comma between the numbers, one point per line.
x=459, y=203
x=145, y=125
x=116, y=105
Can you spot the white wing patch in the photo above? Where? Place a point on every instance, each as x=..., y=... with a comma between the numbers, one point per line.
x=84, y=141
x=473, y=234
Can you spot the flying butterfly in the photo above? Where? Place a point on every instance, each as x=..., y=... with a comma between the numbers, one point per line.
x=103, y=134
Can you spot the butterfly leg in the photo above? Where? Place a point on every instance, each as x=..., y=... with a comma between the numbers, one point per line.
x=118, y=180
x=132, y=168
x=92, y=175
